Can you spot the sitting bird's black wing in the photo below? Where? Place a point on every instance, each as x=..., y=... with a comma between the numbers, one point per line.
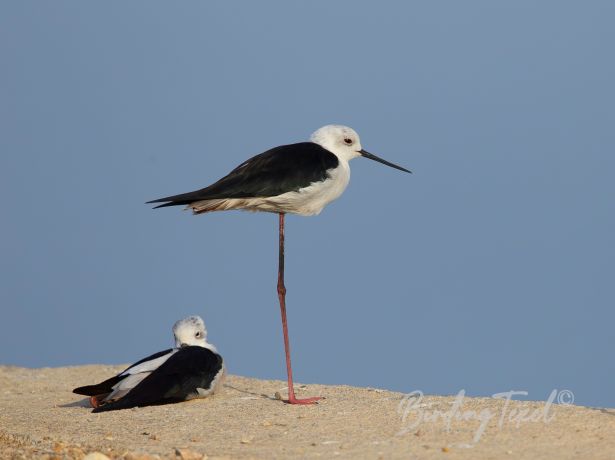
x=107, y=386
x=177, y=379
x=282, y=169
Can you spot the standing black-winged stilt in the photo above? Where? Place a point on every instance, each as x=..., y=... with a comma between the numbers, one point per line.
x=193, y=369
x=297, y=178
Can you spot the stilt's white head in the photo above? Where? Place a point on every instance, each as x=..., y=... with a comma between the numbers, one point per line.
x=341, y=140
x=190, y=331
x=345, y=144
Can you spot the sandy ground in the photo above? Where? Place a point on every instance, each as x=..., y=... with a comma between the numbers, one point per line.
x=41, y=418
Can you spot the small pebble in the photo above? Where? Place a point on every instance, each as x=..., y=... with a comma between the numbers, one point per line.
x=140, y=456
x=96, y=456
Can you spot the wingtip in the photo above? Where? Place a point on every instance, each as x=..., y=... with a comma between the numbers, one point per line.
x=81, y=391
x=164, y=203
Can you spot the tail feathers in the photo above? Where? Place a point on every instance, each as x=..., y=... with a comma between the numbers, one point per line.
x=225, y=204
x=221, y=204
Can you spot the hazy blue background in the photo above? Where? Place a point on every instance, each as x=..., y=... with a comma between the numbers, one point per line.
x=492, y=268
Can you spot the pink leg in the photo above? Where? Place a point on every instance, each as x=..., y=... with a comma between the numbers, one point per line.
x=282, y=296
x=94, y=401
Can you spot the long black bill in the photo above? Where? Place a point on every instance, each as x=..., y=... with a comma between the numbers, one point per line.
x=371, y=156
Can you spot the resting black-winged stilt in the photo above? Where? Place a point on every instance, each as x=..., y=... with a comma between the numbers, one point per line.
x=193, y=369
x=297, y=178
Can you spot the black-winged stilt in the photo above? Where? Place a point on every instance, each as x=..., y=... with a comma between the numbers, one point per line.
x=298, y=178
x=193, y=369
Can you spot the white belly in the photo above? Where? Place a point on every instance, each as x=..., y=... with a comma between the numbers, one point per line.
x=311, y=200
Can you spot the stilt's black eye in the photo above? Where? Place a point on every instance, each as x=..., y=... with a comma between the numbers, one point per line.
x=198, y=334
x=348, y=141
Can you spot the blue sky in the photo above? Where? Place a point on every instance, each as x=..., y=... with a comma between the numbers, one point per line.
x=489, y=269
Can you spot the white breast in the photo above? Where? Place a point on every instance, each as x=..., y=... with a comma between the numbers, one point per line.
x=312, y=199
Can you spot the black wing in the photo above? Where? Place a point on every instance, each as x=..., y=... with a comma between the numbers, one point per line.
x=107, y=386
x=175, y=380
x=279, y=170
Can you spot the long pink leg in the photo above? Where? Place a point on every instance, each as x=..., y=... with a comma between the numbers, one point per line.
x=282, y=296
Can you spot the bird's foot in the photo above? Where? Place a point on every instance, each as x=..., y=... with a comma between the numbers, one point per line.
x=293, y=400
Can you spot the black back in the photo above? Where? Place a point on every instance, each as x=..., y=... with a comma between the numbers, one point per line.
x=175, y=380
x=282, y=169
